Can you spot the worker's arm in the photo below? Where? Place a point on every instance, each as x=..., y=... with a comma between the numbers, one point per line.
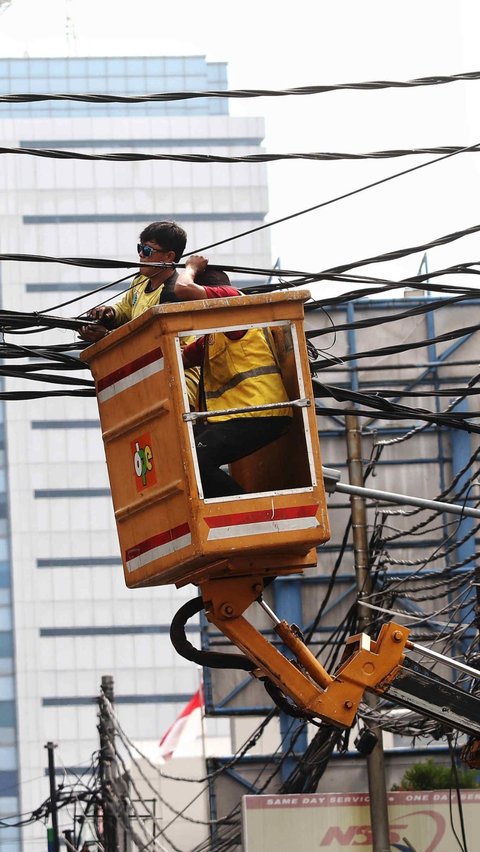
x=185, y=288
x=192, y=354
x=110, y=316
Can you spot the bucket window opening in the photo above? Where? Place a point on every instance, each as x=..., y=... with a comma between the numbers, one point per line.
x=248, y=431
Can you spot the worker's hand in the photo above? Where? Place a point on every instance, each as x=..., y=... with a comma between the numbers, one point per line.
x=196, y=263
x=92, y=333
x=104, y=315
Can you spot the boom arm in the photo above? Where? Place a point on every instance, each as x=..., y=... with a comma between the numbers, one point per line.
x=379, y=666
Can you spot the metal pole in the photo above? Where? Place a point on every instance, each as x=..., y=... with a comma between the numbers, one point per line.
x=105, y=729
x=447, y=661
x=331, y=477
x=375, y=760
x=461, y=449
x=405, y=499
x=53, y=795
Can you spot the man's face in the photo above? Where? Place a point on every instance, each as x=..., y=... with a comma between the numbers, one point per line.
x=154, y=253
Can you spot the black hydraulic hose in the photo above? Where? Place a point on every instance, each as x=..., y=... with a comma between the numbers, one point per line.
x=217, y=660
x=210, y=659
x=282, y=701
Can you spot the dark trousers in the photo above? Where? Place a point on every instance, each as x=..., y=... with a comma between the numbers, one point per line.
x=230, y=440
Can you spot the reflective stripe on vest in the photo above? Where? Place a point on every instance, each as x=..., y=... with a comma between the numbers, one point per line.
x=242, y=373
x=240, y=377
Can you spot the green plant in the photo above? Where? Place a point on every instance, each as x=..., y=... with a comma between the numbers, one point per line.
x=436, y=776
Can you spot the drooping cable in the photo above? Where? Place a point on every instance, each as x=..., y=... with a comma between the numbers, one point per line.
x=371, y=85
x=335, y=199
x=314, y=156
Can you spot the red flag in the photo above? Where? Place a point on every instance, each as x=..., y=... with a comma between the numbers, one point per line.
x=186, y=728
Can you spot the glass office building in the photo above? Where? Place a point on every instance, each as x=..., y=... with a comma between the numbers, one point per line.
x=66, y=617
x=117, y=76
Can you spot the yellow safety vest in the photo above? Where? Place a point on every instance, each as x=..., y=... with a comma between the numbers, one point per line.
x=242, y=373
x=135, y=302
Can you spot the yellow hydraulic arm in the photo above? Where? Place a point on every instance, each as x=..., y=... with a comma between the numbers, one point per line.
x=370, y=665
x=381, y=666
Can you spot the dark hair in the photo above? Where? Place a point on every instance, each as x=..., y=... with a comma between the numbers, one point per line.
x=212, y=277
x=168, y=235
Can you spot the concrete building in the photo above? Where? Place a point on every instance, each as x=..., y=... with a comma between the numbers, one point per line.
x=66, y=617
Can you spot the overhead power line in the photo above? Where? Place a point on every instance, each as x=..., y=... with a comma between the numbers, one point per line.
x=371, y=85
x=135, y=156
x=103, y=263
x=405, y=252
x=341, y=197
x=91, y=262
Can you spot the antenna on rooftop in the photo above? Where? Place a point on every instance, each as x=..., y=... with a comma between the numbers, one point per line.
x=69, y=26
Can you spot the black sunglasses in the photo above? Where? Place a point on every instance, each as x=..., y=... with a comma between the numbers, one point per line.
x=147, y=251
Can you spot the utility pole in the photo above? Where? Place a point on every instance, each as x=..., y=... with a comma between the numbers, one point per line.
x=107, y=752
x=54, y=846
x=375, y=760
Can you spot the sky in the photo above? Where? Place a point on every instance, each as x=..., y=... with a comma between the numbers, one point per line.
x=309, y=42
